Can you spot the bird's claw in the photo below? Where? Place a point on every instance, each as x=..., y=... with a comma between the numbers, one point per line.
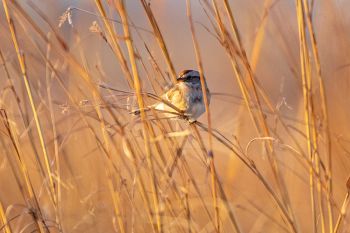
x=188, y=119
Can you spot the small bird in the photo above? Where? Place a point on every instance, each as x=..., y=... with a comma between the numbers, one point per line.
x=186, y=96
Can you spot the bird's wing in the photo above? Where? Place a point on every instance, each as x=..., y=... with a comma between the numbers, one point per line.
x=176, y=97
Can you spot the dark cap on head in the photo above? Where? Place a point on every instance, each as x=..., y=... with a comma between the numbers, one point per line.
x=187, y=75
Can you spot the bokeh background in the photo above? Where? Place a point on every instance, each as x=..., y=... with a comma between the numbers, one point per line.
x=74, y=136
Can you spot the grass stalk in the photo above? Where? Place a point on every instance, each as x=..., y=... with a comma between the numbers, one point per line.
x=344, y=208
x=230, y=50
x=260, y=35
x=206, y=102
x=244, y=91
x=21, y=61
x=153, y=164
x=342, y=213
x=116, y=47
x=6, y=224
x=49, y=77
x=106, y=142
x=322, y=90
x=159, y=38
x=250, y=164
x=306, y=86
x=266, y=132
x=188, y=210
x=317, y=162
x=137, y=86
x=31, y=199
x=62, y=48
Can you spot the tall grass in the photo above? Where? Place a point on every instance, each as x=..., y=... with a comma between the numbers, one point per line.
x=75, y=160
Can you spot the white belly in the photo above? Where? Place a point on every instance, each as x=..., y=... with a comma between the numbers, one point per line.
x=166, y=110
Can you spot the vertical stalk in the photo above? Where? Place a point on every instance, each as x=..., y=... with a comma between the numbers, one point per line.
x=54, y=131
x=116, y=47
x=317, y=161
x=188, y=209
x=145, y=123
x=342, y=212
x=21, y=61
x=306, y=82
x=159, y=38
x=31, y=199
x=109, y=174
x=206, y=102
x=230, y=47
x=271, y=155
x=260, y=35
x=4, y=220
x=324, y=111
x=109, y=163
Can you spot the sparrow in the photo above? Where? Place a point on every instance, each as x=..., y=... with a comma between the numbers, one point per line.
x=185, y=98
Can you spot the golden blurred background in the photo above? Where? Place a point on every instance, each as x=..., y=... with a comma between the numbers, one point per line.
x=74, y=160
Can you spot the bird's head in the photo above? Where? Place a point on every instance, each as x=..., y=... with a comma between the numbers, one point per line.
x=189, y=76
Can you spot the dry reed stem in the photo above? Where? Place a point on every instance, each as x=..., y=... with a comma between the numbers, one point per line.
x=263, y=94
x=244, y=59
x=12, y=164
x=268, y=4
x=48, y=65
x=317, y=161
x=252, y=167
x=314, y=162
x=342, y=212
x=188, y=172
x=109, y=174
x=140, y=181
x=31, y=199
x=159, y=38
x=49, y=77
x=21, y=61
x=6, y=224
x=154, y=62
x=22, y=115
x=138, y=177
x=86, y=78
x=177, y=157
x=324, y=109
x=10, y=81
x=245, y=94
x=306, y=86
x=266, y=132
x=234, y=64
x=231, y=50
x=233, y=219
x=206, y=102
x=187, y=168
x=145, y=123
x=188, y=210
x=117, y=49
x=312, y=134
x=260, y=35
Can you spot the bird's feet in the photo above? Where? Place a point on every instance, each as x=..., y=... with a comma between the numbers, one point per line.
x=192, y=121
x=189, y=119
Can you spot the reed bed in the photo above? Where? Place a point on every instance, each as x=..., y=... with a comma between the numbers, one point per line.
x=271, y=153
